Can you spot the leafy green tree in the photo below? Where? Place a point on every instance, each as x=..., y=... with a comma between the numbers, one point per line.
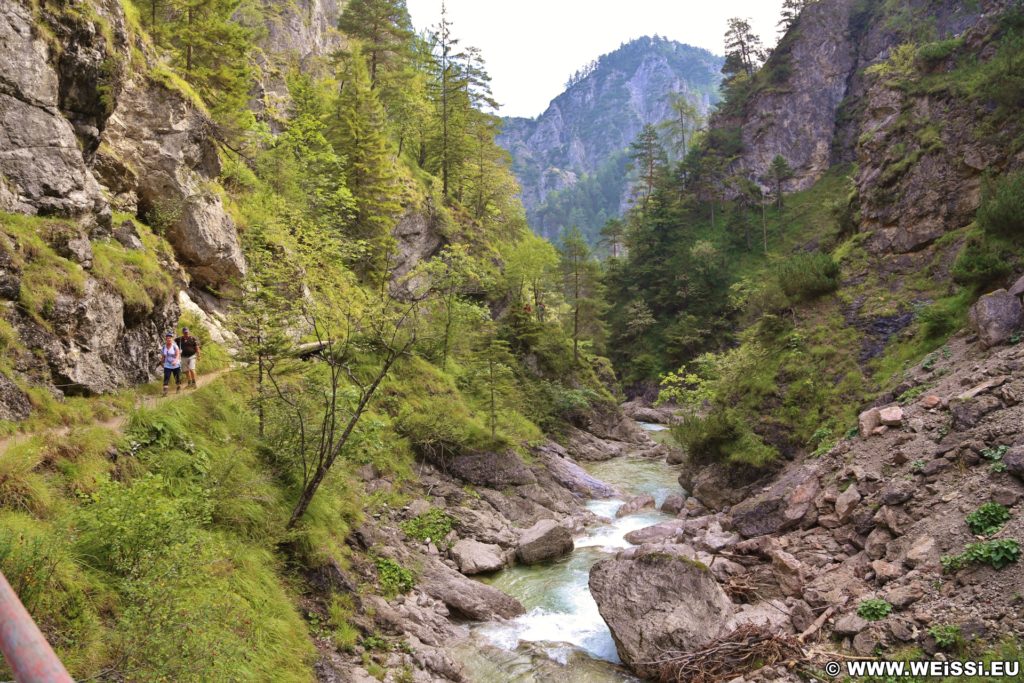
x=531, y=265
x=583, y=290
x=385, y=30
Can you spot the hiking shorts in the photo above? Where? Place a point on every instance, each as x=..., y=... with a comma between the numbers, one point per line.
x=188, y=363
x=172, y=371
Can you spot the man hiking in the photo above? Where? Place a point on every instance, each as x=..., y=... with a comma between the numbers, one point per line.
x=189, y=346
x=170, y=352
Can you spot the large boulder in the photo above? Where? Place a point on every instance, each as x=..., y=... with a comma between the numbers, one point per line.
x=634, y=505
x=656, y=601
x=495, y=470
x=570, y=475
x=1014, y=461
x=784, y=505
x=996, y=316
x=657, y=533
x=465, y=597
x=474, y=557
x=545, y=540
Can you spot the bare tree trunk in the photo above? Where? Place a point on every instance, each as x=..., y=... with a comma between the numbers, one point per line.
x=310, y=489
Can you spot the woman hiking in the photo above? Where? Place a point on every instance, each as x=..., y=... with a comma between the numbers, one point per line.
x=170, y=352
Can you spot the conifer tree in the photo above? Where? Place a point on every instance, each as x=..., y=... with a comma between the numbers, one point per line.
x=211, y=50
x=779, y=172
x=358, y=132
x=743, y=49
x=385, y=30
x=583, y=290
x=649, y=161
x=681, y=125
x=450, y=91
x=791, y=10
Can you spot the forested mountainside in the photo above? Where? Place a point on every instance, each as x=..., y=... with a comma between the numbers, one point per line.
x=571, y=161
x=407, y=457
x=315, y=190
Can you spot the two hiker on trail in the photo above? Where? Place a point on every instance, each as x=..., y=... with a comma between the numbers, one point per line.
x=177, y=352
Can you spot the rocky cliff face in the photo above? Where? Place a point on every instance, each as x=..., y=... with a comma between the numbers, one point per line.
x=89, y=128
x=601, y=114
x=822, y=99
x=298, y=35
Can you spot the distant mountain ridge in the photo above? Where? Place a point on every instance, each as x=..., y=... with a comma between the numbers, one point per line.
x=570, y=161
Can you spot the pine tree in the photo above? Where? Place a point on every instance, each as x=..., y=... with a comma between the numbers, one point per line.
x=358, y=133
x=649, y=162
x=613, y=236
x=385, y=30
x=211, y=51
x=450, y=95
x=743, y=50
x=779, y=172
x=681, y=125
x=307, y=169
x=791, y=10
x=492, y=375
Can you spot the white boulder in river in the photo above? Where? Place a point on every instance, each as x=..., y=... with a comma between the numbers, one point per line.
x=656, y=600
x=545, y=540
x=474, y=557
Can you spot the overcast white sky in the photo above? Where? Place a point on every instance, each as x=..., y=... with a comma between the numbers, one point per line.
x=532, y=46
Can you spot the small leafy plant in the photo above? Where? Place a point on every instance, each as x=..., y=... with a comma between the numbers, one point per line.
x=874, y=609
x=996, y=553
x=995, y=456
x=988, y=519
x=917, y=466
x=394, y=578
x=432, y=525
x=946, y=636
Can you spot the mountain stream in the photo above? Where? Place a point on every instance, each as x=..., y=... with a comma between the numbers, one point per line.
x=562, y=636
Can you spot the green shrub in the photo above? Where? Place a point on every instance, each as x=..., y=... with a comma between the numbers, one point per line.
x=1002, y=207
x=930, y=55
x=874, y=609
x=944, y=317
x=721, y=436
x=804, y=277
x=394, y=579
x=432, y=525
x=997, y=554
x=980, y=264
x=128, y=530
x=946, y=636
x=988, y=519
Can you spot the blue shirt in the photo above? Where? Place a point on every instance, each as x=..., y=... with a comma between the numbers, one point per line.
x=170, y=356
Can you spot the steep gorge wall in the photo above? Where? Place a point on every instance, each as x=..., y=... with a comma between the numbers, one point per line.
x=92, y=124
x=819, y=103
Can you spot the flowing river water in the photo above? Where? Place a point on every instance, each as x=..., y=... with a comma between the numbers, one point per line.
x=562, y=636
